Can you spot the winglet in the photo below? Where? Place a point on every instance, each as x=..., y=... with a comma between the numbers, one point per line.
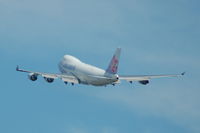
x=17, y=68
x=21, y=70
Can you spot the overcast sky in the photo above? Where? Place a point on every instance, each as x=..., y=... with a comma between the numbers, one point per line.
x=156, y=37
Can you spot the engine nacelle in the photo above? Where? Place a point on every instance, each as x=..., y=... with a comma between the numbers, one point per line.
x=144, y=82
x=32, y=77
x=49, y=80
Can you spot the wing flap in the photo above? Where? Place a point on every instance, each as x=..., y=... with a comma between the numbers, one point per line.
x=49, y=75
x=147, y=77
x=71, y=80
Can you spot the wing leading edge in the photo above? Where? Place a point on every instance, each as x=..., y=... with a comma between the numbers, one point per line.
x=143, y=78
x=63, y=77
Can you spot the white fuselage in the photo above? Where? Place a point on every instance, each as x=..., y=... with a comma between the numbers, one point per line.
x=85, y=73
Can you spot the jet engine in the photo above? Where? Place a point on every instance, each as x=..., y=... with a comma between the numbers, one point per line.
x=49, y=80
x=144, y=82
x=32, y=77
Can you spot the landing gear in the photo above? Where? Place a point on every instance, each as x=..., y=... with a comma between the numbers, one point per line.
x=67, y=83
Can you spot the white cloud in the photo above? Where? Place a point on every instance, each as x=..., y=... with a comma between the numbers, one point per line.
x=179, y=104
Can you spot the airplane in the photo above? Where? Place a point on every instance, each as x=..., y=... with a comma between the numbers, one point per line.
x=75, y=71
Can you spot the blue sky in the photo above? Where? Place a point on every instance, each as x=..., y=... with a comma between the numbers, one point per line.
x=155, y=36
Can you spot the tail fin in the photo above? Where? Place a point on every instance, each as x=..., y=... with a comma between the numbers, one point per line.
x=113, y=66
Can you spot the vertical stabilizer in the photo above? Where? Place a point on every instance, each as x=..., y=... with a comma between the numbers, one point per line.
x=113, y=66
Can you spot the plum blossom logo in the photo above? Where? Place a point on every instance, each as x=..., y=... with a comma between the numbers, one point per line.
x=114, y=64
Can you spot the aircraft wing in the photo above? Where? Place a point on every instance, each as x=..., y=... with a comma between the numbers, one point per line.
x=144, y=79
x=63, y=77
